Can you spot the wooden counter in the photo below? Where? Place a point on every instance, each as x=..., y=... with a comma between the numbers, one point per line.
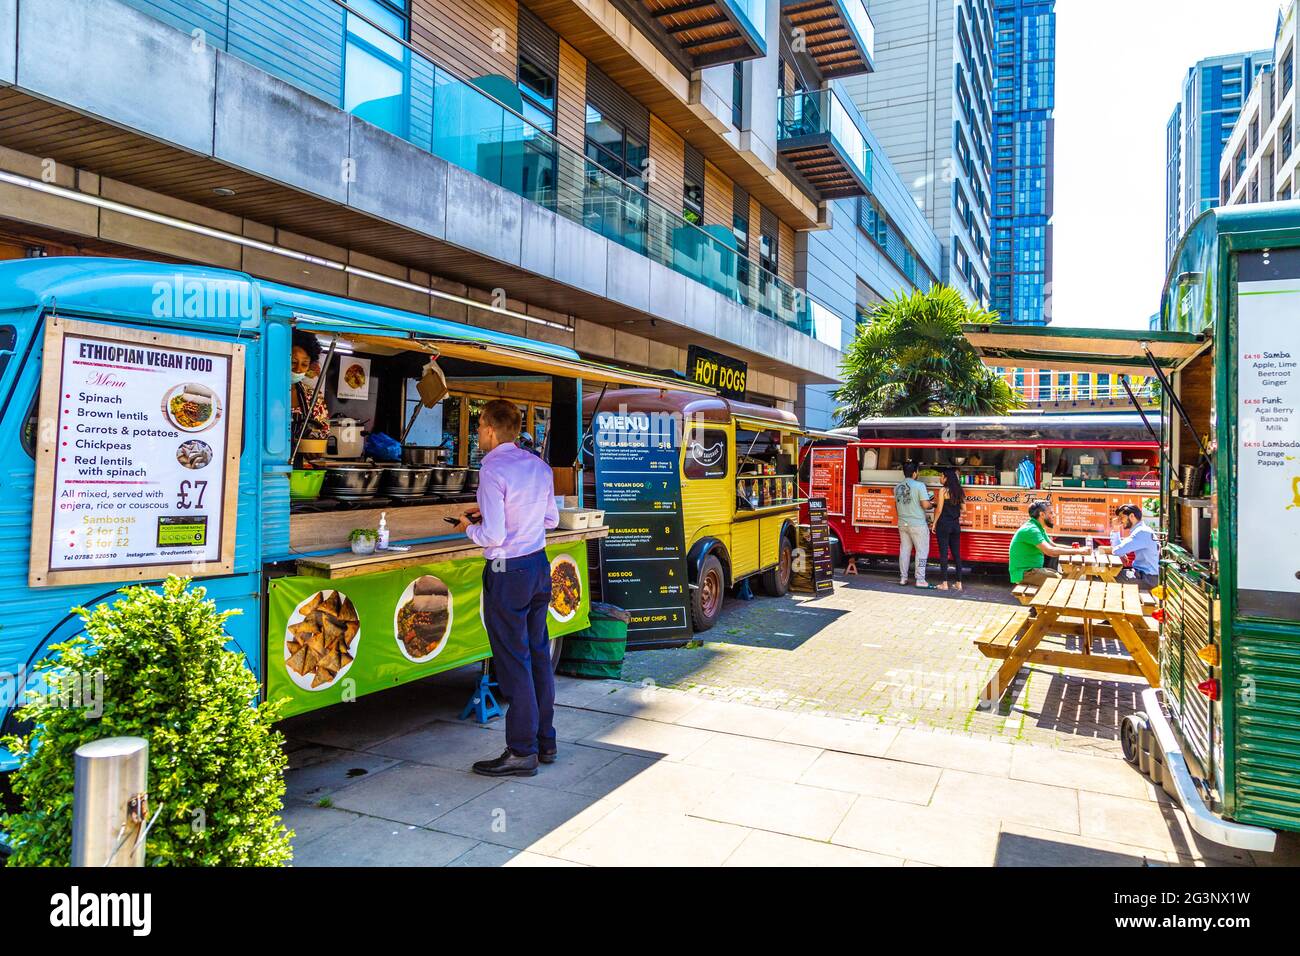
x=345, y=564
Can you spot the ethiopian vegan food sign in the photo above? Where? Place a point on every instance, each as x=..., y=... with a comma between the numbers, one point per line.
x=137, y=464
x=335, y=640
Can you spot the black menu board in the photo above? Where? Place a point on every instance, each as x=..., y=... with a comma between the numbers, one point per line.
x=643, y=560
x=813, y=571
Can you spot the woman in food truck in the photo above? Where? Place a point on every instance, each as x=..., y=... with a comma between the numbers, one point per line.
x=313, y=423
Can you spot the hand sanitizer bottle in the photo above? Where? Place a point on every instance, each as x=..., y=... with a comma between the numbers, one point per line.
x=382, y=543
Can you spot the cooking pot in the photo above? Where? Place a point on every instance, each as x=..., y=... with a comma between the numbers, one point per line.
x=471, y=480
x=425, y=455
x=348, y=440
x=352, y=482
x=448, y=481
x=405, y=481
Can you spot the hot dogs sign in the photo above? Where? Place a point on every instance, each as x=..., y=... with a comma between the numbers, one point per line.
x=714, y=370
x=137, y=455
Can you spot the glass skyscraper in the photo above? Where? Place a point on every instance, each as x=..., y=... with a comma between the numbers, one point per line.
x=1024, y=95
x=1198, y=128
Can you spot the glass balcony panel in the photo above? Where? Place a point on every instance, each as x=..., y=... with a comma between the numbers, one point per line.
x=754, y=12
x=862, y=25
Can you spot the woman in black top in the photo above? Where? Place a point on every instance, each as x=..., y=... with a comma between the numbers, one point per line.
x=947, y=526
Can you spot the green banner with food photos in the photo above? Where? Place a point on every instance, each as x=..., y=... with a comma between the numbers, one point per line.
x=330, y=641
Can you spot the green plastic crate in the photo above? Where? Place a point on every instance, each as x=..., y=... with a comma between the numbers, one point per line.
x=599, y=649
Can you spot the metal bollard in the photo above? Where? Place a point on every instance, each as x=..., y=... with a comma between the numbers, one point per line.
x=109, y=802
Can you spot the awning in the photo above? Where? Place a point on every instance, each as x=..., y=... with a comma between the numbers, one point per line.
x=1119, y=351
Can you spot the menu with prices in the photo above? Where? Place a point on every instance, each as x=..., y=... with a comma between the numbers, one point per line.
x=139, y=455
x=643, y=559
x=826, y=477
x=813, y=571
x=1268, y=435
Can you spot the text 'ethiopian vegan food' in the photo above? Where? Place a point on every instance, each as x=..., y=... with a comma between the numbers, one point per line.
x=566, y=589
x=320, y=646
x=423, y=621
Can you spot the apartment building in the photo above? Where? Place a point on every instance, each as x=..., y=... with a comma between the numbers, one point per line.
x=612, y=175
x=1259, y=159
x=930, y=105
x=1214, y=92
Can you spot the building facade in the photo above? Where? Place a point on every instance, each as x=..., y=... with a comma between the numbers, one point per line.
x=930, y=106
x=1214, y=91
x=614, y=176
x=1024, y=97
x=1259, y=158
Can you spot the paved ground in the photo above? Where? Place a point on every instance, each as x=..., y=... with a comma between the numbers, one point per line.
x=893, y=655
x=651, y=776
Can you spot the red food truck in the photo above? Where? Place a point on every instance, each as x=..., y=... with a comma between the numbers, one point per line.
x=1087, y=465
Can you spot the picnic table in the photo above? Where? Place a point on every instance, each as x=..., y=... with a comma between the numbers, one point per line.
x=1084, y=608
x=1104, y=566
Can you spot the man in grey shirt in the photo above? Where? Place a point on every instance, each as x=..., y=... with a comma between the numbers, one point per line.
x=912, y=499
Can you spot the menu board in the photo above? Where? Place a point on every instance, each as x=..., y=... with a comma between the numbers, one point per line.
x=1268, y=434
x=813, y=571
x=643, y=559
x=1079, y=512
x=137, y=468
x=826, y=477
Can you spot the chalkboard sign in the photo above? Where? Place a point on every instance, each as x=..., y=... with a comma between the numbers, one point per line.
x=813, y=571
x=643, y=560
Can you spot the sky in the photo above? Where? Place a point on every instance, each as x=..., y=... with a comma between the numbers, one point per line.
x=1120, y=66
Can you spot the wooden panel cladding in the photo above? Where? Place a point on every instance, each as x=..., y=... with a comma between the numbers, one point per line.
x=617, y=104
x=755, y=223
x=829, y=37
x=669, y=155
x=1196, y=392
x=717, y=197
x=538, y=41
x=785, y=253
x=705, y=32
x=471, y=38
x=571, y=104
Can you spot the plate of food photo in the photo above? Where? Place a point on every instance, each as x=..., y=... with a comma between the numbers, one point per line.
x=423, y=619
x=191, y=407
x=566, y=588
x=355, y=376
x=320, y=641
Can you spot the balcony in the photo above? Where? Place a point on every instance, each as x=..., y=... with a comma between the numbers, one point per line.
x=818, y=136
x=712, y=32
x=839, y=34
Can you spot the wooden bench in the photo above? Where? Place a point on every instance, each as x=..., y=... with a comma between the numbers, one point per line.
x=997, y=638
x=1024, y=593
x=1147, y=600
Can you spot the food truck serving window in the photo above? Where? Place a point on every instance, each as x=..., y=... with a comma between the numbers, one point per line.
x=706, y=453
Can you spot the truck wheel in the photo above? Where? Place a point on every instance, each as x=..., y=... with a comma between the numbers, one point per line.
x=1131, y=729
x=707, y=596
x=837, y=554
x=776, y=580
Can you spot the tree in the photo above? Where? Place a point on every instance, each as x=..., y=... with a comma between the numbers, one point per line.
x=911, y=358
x=162, y=670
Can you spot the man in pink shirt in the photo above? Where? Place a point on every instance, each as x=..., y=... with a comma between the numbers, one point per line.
x=516, y=507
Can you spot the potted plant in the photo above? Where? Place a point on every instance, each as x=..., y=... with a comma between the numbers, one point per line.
x=363, y=540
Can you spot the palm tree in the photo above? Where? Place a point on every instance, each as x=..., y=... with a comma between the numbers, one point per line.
x=911, y=358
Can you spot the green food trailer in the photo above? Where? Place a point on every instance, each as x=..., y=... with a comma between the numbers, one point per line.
x=1221, y=732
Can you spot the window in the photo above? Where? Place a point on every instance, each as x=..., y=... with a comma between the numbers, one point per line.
x=1285, y=145
x=705, y=454
x=374, y=82
x=693, y=188
x=537, y=89
x=537, y=161
x=767, y=252
x=738, y=94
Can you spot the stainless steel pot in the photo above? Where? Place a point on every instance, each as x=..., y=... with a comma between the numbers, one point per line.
x=471, y=479
x=448, y=481
x=425, y=455
x=405, y=481
x=351, y=482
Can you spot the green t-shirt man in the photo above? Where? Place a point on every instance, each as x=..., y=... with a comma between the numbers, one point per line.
x=1024, y=549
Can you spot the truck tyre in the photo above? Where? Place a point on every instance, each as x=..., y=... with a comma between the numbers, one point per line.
x=837, y=554
x=708, y=594
x=1131, y=729
x=775, y=581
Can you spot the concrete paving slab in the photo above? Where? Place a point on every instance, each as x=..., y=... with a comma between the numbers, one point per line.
x=1021, y=845
x=441, y=743
x=1008, y=801
x=634, y=836
x=872, y=776
x=309, y=822
x=762, y=848
x=576, y=692
x=368, y=841
x=925, y=834
x=739, y=719
x=316, y=771
x=358, y=725
x=574, y=764
x=768, y=759
x=574, y=723
x=774, y=805
x=411, y=793
x=952, y=752
x=646, y=702
x=868, y=738
x=1155, y=826
x=662, y=785
x=1080, y=771
x=650, y=739
x=489, y=854
x=515, y=814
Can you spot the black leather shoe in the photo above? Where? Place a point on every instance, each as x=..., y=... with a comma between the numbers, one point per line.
x=509, y=764
x=547, y=756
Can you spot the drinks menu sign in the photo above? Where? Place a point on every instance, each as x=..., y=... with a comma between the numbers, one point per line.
x=137, y=464
x=1268, y=434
